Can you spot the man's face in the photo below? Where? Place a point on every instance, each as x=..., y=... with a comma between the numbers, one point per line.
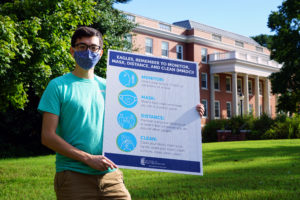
x=83, y=43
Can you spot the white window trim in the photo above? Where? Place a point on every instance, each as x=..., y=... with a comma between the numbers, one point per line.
x=218, y=90
x=165, y=27
x=204, y=88
x=228, y=91
x=260, y=88
x=251, y=83
x=163, y=49
x=237, y=85
x=217, y=101
x=177, y=46
x=205, y=62
x=205, y=108
x=147, y=53
x=216, y=37
x=230, y=110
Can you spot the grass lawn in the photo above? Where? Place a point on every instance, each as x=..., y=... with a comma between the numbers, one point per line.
x=265, y=169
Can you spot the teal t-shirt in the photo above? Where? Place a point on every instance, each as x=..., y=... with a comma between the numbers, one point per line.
x=79, y=103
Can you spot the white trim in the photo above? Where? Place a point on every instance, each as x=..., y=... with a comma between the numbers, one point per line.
x=206, y=109
x=227, y=110
x=228, y=91
x=217, y=75
x=250, y=82
x=206, y=57
x=205, y=80
x=237, y=84
x=177, y=51
x=194, y=39
x=217, y=101
x=166, y=43
x=150, y=39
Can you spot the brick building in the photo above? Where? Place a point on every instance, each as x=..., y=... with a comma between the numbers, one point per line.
x=233, y=69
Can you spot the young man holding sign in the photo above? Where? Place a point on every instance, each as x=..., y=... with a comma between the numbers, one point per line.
x=73, y=115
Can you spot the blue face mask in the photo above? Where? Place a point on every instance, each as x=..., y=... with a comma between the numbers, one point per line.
x=86, y=59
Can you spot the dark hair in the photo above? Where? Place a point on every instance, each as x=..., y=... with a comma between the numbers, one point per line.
x=85, y=31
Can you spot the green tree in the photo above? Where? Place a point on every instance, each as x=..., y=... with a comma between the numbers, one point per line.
x=264, y=40
x=285, y=48
x=35, y=38
x=35, y=41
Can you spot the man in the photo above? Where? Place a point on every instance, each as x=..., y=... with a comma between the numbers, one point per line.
x=73, y=115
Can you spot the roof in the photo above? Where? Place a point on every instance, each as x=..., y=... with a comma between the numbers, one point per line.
x=188, y=24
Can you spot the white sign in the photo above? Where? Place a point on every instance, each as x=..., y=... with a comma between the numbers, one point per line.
x=151, y=122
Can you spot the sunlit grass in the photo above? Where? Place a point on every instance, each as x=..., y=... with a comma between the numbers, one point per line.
x=266, y=169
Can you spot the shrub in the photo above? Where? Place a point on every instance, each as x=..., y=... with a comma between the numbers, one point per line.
x=290, y=128
x=259, y=126
x=209, y=132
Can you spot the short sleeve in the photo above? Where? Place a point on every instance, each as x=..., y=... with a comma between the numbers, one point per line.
x=102, y=85
x=50, y=101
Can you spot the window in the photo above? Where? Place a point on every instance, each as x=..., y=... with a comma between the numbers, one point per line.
x=165, y=27
x=149, y=46
x=179, y=51
x=228, y=108
x=260, y=88
x=251, y=108
x=204, y=55
x=228, y=84
x=203, y=80
x=128, y=38
x=259, y=49
x=239, y=85
x=130, y=18
x=204, y=102
x=239, y=44
x=217, y=109
x=217, y=37
x=260, y=110
x=165, y=49
x=217, y=82
x=250, y=87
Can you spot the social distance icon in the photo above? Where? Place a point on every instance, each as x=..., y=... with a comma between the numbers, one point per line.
x=127, y=119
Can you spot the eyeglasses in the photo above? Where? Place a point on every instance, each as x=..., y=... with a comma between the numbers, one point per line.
x=84, y=47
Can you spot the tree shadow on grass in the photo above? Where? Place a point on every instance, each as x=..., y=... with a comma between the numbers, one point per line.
x=246, y=154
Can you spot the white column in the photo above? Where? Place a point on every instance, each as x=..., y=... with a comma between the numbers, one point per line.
x=234, y=95
x=267, y=97
x=246, y=95
x=257, y=111
x=212, y=96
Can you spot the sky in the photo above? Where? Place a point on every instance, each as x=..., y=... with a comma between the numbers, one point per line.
x=244, y=17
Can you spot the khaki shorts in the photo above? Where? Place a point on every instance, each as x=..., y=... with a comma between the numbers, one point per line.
x=77, y=186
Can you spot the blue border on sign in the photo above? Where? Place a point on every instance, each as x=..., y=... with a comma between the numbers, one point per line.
x=148, y=63
x=154, y=163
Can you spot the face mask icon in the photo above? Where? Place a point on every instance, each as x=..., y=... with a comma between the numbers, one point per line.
x=128, y=99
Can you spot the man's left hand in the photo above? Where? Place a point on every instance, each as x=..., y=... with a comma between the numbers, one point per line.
x=200, y=109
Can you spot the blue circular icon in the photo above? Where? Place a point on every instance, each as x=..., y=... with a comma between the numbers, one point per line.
x=128, y=99
x=127, y=119
x=126, y=141
x=128, y=78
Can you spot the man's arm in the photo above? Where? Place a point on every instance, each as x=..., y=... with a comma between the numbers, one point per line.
x=59, y=145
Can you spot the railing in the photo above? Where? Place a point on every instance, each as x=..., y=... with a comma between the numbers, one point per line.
x=243, y=56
